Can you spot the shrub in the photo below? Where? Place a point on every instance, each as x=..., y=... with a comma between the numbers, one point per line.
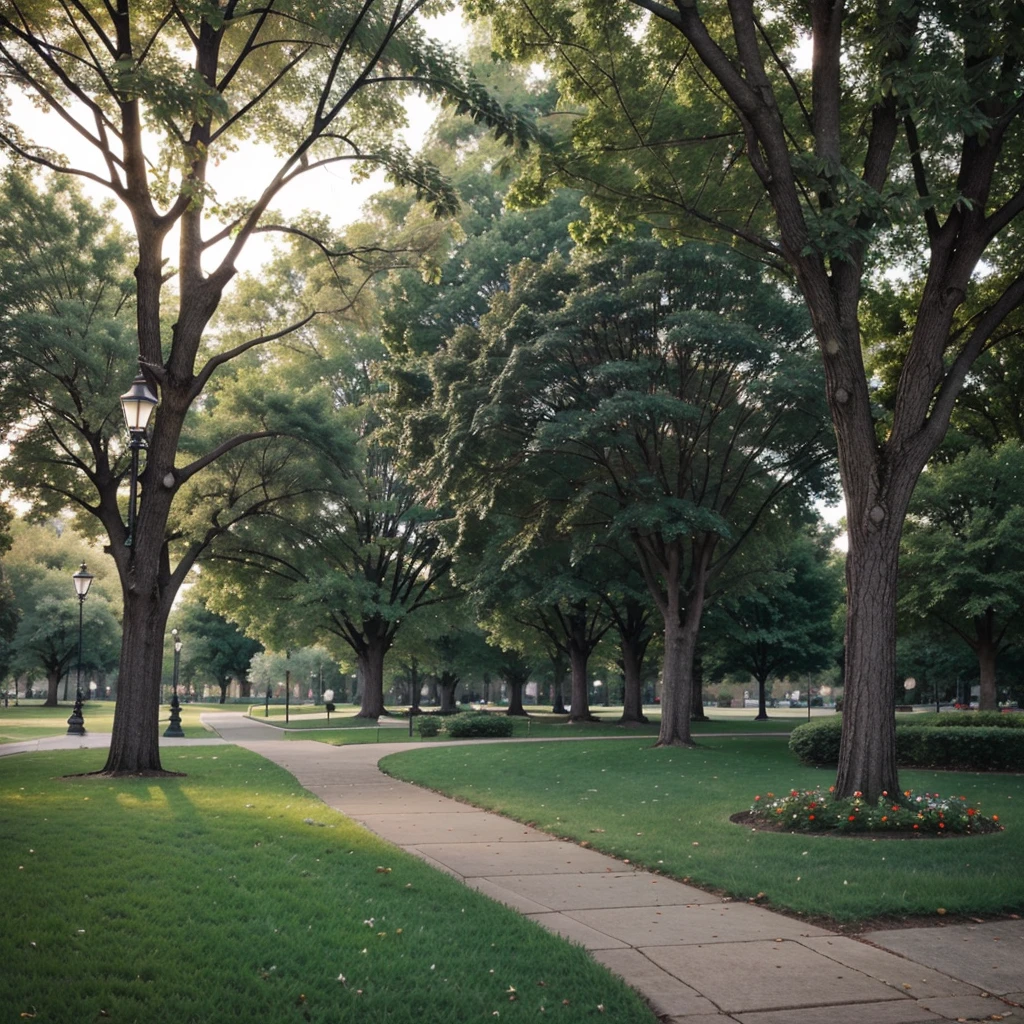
x=479, y=723
x=970, y=748
x=969, y=720
x=975, y=749
x=427, y=725
x=817, y=742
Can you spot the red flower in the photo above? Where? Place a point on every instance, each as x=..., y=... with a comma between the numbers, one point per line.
x=916, y=826
x=971, y=812
x=810, y=817
x=853, y=817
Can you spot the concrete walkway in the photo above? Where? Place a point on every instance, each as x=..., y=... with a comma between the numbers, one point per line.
x=696, y=958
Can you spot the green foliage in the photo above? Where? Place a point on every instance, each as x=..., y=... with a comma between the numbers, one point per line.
x=962, y=562
x=969, y=720
x=980, y=747
x=779, y=617
x=471, y=724
x=39, y=567
x=428, y=725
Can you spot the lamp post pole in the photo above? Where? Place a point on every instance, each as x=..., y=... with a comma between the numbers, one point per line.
x=174, y=727
x=82, y=581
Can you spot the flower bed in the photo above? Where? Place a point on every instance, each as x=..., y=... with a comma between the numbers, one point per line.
x=816, y=810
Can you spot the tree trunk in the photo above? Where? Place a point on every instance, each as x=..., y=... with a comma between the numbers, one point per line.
x=867, y=752
x=515, y=698
x=135, y=739
x=447, y=685
x=371, y=677
x=224, y=692
x=632, y=695
x=988, y=698
x=52, y=682
x=697, y=713
x=677, y=679
x=580, y=708
x=762, y=702
x=557, y=680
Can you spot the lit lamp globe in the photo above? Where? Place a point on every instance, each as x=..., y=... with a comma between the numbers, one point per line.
x=329, y=702
x=137, y=404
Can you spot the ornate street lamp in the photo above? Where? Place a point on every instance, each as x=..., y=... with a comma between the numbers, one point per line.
x=137, y=404
x=174, y=727
x=82, y=581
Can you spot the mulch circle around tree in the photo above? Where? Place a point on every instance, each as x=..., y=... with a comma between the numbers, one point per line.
x=745, y=818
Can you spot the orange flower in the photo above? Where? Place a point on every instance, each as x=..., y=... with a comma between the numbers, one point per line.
x=810, y=817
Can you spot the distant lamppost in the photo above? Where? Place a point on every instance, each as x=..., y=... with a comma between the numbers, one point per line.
x=137, y=404
x=174, y=727
x=597, y=691
x=82, y=581
x=92, y=689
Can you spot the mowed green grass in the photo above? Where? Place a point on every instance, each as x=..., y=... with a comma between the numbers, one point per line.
x=233, y=894
x=545, y=725
x=668, y=809
x=30, y=721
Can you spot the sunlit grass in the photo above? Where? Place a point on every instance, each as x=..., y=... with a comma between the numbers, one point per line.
x=232, y=894
x=669, y=809
x=30, y=720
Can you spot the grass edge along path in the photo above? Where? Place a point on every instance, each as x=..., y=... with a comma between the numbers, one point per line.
x=234, y=894
x=668, y=810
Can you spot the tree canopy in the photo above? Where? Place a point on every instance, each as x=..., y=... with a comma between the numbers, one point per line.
x=899, y=145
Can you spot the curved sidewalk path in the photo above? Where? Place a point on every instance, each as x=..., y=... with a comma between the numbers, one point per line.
x=697, y=958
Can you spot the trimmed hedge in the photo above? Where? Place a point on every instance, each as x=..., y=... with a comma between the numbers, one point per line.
x=971, y=748
x=969, y=720
x=428, y=725
x=478, y=723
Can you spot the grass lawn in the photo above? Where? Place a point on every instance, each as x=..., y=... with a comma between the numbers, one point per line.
x=669, y=809
x=232, y=894
x=31, y=721
x=539, y=725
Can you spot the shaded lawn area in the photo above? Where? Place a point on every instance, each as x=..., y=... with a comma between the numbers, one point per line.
x=211, y=898
x=668, y=809
x=33, y=721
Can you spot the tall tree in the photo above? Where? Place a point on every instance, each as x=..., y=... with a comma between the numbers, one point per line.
x=159, y=95
x=354, y=567
x=663, y=395
x=780, y=619
x=964, y=551
x=901, y=143
x=40, y=565
x=8, y=607
x=214, y=650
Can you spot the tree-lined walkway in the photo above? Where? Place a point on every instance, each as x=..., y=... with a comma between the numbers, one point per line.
x=697, y=958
